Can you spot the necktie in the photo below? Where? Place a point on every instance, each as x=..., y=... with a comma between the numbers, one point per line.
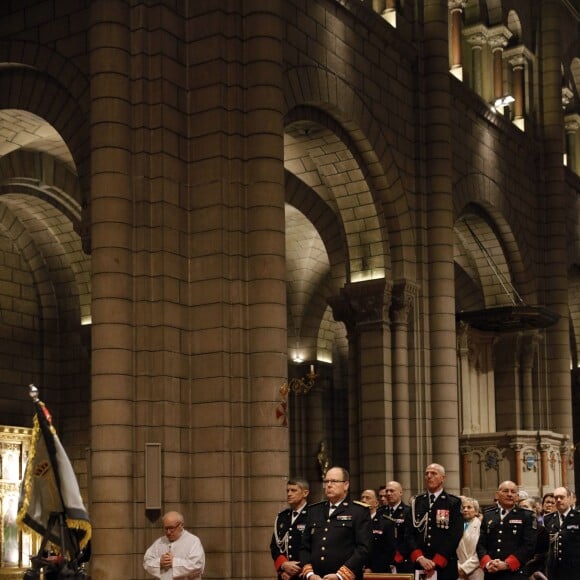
x=503, y=513
x=431, y=499
x=465, y=526
x=294, y=515
x=391, y=511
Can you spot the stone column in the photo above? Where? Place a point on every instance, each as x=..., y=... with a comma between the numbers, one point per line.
x=544, y=477
x=508, y=400
x=497, y=40
x=463, y=348
x=238, y=288
x=564, y=452
x=439, y=222
x=366, y=305
x=342, y=311
x=112, y=476
x=476, y=37
x=572, y=124
x=528, y=346
x=518, y=64
x=262, y=183
x=466, y=470
x=455, y=10
x=404, y=296
x=517, y=463
x=556, y=207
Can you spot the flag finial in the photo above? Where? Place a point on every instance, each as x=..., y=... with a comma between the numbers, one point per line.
x=33, y=393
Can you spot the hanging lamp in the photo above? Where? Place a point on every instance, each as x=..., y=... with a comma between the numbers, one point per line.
x=515, y=317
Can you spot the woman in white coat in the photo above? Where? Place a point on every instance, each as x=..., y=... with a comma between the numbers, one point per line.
x=467, y=560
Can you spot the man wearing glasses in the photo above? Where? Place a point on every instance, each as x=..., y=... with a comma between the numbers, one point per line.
x=338, y=534
x=177, y=554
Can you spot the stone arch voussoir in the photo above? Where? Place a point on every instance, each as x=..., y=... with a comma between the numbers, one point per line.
x=318, y=88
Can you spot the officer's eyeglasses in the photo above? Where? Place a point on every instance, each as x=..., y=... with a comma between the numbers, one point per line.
x=327, y=481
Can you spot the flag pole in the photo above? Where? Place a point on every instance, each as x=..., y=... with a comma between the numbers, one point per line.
x=50, y=502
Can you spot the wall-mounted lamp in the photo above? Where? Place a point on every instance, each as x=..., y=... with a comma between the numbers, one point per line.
x=502, y=104
x=299, y=386
x=503, y=101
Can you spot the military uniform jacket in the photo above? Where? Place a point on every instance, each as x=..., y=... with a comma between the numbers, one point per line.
x=565, y=544
x=512, y=539
x=389, y=535
x=383, y=549
x=285, y=544
x=552, y=523
x=401, y=517
x=435, y=532
x=342, y=540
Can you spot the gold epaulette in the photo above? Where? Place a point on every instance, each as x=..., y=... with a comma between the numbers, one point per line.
x=366, y=505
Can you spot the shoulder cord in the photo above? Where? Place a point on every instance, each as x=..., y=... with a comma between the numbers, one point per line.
x=421, y=523
x=281, y=542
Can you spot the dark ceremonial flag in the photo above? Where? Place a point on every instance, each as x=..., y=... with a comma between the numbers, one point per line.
x=50, y=485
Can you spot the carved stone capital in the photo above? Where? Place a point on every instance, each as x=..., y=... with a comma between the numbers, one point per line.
x=362, y=303
x=456, y=5
x=519, y=56
x=572, y=123
x=517, y=61
x=498, y=37
x=404, y=295
x=475, y=35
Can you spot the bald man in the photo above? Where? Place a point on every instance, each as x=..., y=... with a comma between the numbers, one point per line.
x=435, y=527
x=400, y=513
x=176, y=554
x=382, y=550
x=507, y=537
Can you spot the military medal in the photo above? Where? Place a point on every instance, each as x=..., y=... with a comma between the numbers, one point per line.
x=442, y=519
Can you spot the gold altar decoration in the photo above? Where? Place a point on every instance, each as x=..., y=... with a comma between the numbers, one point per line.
x=15, y=546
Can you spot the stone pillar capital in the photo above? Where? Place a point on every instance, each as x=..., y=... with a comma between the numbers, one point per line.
x=572, y=123
x=404, y=294
x=498, y=37
x=519, y=55
x=456, y=5
x=475, y=35
x=517, y=61
x=363, y=302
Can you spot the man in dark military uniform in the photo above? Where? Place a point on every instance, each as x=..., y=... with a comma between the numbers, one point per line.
x=400, y=514
x=564, y=528
x=435, y=527
x=288, y=529
x=338, y=534
x=384, y=529
x=507, y=537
